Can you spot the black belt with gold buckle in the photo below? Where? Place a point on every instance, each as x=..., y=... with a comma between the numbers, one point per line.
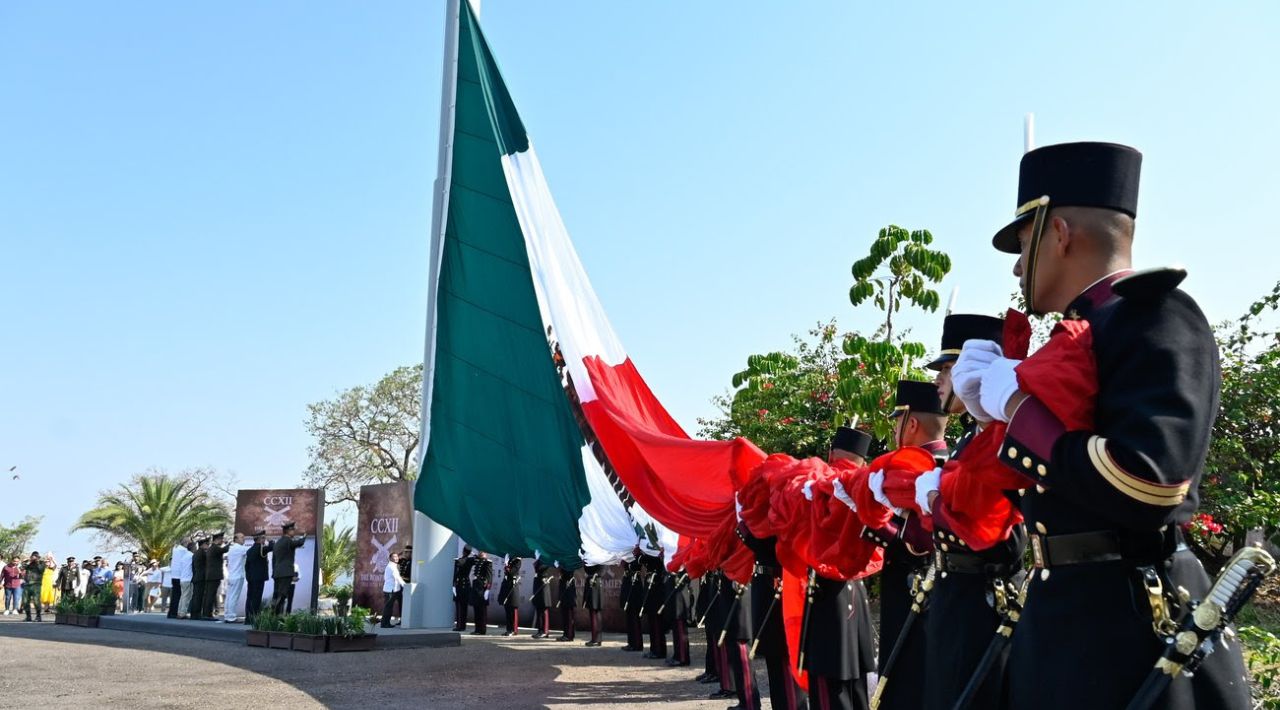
x=770, y=570
x=1101, y=546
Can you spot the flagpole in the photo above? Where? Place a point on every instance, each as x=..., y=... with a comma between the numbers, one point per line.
x=432, y=571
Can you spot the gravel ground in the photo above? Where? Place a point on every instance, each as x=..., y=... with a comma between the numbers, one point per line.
x=54, y=665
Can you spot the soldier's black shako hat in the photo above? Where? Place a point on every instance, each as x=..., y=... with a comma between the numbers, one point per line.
x=1074, y=175
x=218, y=536
x=260, y=532
x=965, y=326
x=289, y=525
x=920, y=397
x=851, y=440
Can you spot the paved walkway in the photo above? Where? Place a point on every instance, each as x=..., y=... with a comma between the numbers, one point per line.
x=104, y=668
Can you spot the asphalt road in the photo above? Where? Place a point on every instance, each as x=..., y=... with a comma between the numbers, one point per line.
x=53, y=666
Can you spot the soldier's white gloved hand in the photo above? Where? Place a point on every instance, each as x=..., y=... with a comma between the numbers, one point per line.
x=486, y=595
x=455, y=592
x=999, y=384
x=966, y=375
x=737, y=507
x=842, y=495
x=808, y=489
x=927, y=483
x=876, y=483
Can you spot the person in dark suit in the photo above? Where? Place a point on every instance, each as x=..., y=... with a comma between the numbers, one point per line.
x=542, y=598
x=567, y=603
x=199, y=573
x=509, y=594
x=481, y=582
x=213, y=575
x=256, y=573
x=461, y=588
x=593, y=600
x=282, y=558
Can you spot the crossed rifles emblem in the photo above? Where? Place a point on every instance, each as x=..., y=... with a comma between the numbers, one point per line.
x=276, y=518
x=382, y=557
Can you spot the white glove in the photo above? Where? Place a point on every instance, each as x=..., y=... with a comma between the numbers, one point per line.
x=999, y=384
x=927, y=483
x=842, y=495
x=455, y=592
x=737, y=507
x=876, y=483
x=808, y=489
x=486, y=595
x=966, y=375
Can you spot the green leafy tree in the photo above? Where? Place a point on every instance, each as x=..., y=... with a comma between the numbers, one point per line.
x=1240, y=491
x=366, y=434
x=898, y=272
x=337, y=552
x=15, y=539
x=154, y=511
x=784, y=402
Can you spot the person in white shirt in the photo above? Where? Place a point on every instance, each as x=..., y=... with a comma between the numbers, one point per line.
x=180, y=573
x=235, y=576
x=392, y=588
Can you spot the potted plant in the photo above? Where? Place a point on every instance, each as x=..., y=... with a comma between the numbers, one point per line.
x=106, y=602
x=311, y=633
x=259, y=633
x=352, y=634
x=63, y=610
x=342, y=597
x=282, y=637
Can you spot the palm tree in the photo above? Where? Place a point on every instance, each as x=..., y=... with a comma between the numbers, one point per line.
x=153, y=512
x=337, y=552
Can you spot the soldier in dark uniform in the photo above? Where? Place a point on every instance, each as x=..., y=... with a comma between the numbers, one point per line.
x=766, y=619
x=837, y=644
x=256, y=573
x=481, y=582
x=965, y=602
x=1103, y=504
x=633, y=586
x=542, y=598
x=509, y=594
x=461, y=588
x=406, y=569
x=567, y=603
x=593, y=600
x=213, y=575
x=719, y=602
x=282, y=557
x=676, y=612
x=734, y=641
x=654, y=579
x=701, y=606
x=199, y=573
x=920, y=421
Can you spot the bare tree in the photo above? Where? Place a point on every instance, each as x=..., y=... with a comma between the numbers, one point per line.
x=366, y=434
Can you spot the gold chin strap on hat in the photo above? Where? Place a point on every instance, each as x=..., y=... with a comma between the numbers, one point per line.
x=1041, y=206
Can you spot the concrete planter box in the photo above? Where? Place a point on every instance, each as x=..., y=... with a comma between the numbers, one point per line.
x=253, y=637
x=363, y=642
x=61, y=618
x=280, y=639
x=89, y=622
x=310, y=643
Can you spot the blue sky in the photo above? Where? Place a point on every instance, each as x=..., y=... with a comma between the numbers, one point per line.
x=211, y=215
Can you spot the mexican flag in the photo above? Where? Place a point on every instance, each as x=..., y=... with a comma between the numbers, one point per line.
x=535, y=418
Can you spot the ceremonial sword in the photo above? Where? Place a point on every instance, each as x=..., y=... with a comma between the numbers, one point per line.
x=1202, y=627
x=714, y=597
x=1008, y=620
x=917, y=607
x=737, y=600
x=777, y=593
x=804, y=623
x=680, y=581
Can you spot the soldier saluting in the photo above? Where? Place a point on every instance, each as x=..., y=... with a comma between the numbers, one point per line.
x=1105, y=497
x=282, y=557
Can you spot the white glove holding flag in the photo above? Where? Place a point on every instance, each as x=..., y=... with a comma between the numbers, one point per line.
x=999, y=384
x=842, y=495
x=926, y=483
x=808, y=489
x=486, y=595
x=737, y=507
x=966, y=375
x=876, y=483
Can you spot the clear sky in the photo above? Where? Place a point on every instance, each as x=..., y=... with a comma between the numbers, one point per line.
x=212, y=214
